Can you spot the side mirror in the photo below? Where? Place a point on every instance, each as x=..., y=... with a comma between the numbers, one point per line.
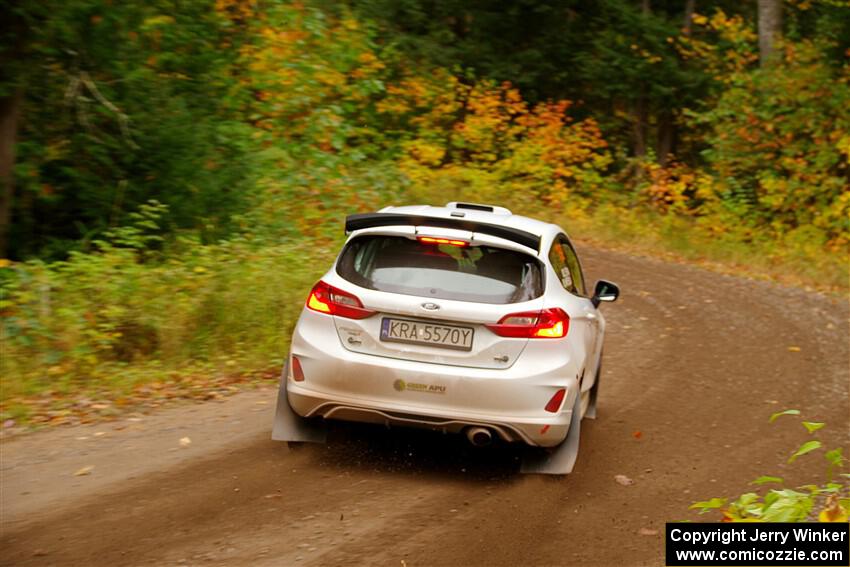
x=605, y=291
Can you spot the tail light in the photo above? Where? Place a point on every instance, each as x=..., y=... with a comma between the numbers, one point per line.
x=449, y=241
x=555, y=403
x=550, y=323
x=326, y=298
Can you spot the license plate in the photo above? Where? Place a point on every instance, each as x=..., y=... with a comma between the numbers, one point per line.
x=431, y=334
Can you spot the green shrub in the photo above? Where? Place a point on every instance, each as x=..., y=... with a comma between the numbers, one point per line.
x=828, y=501
x=128, y=312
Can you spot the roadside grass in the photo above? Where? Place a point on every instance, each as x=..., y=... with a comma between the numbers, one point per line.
x=129, y=327
x=735, y=252
x=115, y=329
x=716, y=241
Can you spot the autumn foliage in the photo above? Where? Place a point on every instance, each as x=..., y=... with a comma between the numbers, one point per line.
x=483, y=142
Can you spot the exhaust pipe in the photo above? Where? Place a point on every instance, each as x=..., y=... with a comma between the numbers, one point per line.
x=479, y=436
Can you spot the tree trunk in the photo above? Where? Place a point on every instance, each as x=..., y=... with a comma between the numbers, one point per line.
x=690, y=7
x=10, y=110
x=770, y=28
x=666, y=137
x=640, y=117
x=13, y=70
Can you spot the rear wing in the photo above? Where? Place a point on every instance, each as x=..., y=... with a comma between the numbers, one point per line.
x=372, y=220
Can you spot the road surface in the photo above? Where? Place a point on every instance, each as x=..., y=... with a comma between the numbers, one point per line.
x=695, y=363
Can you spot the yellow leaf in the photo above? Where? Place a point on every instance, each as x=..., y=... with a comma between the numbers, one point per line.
x=833, y=512
x=828, y=516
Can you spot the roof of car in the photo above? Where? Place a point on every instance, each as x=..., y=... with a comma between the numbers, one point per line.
x=501, y=216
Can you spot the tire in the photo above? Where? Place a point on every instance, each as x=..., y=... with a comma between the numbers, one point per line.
x=585, y=401
x=590, y=410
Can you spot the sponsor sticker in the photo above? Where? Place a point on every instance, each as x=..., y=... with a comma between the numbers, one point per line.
x=400, y=386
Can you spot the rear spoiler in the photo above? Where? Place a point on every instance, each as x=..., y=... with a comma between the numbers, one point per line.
x=372, y=220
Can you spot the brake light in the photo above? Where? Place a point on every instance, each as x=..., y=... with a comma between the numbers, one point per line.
x=550, y=323
x=450, y=242
x=555, y=403
x=325, y=298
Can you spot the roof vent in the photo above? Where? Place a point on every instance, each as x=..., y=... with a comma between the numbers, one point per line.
x=478, y=207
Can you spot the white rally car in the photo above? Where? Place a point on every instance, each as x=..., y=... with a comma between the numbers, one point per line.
x=464, y=318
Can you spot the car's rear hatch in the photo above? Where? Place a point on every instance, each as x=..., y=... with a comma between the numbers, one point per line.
x=432, y=299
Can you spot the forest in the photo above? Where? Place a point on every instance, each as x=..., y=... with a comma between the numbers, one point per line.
x=174, y=174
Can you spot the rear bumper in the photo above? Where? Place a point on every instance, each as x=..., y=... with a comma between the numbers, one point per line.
x=538, y=433
x=340, y=384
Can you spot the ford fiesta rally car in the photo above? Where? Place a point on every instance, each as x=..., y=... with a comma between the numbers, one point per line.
x=464, y=319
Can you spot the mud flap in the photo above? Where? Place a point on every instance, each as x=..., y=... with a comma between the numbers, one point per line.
x=288, y=425
x=560, y=459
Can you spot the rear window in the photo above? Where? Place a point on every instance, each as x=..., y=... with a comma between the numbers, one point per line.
x=481, y=274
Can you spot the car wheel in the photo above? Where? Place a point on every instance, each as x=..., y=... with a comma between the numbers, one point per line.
x=590, y=412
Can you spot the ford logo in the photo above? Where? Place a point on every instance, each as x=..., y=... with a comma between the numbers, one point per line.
x=430, y=306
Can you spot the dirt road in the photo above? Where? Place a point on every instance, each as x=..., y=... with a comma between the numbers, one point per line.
x=695, y=363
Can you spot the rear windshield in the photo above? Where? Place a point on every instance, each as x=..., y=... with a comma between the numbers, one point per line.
x=478, y=273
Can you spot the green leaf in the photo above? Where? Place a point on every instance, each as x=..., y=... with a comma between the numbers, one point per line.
x=767, y=480
x=789, y=508
x=770, y=498
x=786, y=412
x=812, y=426
x=749, y=503
x=806, y=447
x=747, y=499
x=834, y=457
x=787, y=505
x=707, y=505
